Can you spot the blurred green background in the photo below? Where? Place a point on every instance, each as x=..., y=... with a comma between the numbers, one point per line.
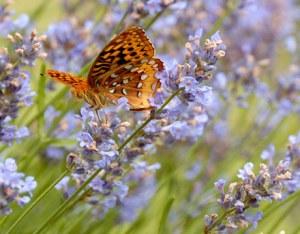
x=173, y=188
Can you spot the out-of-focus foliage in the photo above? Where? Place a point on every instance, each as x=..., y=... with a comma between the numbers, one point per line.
x=219, y=153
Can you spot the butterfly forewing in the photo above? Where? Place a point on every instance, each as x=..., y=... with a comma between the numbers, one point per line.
x=126, y=67
x=130, y=46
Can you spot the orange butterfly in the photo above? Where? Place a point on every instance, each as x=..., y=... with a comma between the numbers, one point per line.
x=126, y=67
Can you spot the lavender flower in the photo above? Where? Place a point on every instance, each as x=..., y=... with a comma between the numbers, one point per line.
x=68, y=44
x=14, y=83
x=14, y=186
x=268, y=184
x=7, y=24
x=186, y=116
x=99, y=150
x=156, y=6
x=138, y=10
x=28, y=49
x=143, y=176
x=292, y=156
x=194, y=171
x=268, y=153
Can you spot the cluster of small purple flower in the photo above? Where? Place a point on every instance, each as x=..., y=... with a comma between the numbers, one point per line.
x=15, y=92
x=272, y=182
x=14, y=186
x=7, y=24
x=14, y=83
x=268, y=184
x=293, y=155
x=68, y=44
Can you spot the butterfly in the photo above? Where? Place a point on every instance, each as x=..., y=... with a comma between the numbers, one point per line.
x=126, y=67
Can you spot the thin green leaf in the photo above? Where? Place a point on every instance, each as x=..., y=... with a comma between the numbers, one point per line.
x=164, y=218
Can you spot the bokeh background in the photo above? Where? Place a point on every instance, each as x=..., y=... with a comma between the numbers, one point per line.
x=249, y=117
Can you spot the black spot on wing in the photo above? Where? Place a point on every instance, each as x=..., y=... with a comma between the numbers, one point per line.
x=122, y=60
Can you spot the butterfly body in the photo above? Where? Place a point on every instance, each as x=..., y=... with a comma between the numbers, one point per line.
x=126, y=67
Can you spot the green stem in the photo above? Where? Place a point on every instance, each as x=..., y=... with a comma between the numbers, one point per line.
x=102, y=12
x=36, y=201
x=71, y=204
x=297, y=230
x=38, y=11
x=231, y=211
x=60, y=95
x=281, y=217
x=230, y=8
x=40, y=100
x=3, y=220
x=153, y=20
x=64, y=205
x=3, y=147
x=164, y=217
x=218, y=221
x=272, y=209
x=118, y=26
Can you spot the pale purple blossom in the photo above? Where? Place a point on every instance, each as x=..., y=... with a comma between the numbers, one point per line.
x=14, y=186
x=15, y=90
x=270, y=183
x=268, y=153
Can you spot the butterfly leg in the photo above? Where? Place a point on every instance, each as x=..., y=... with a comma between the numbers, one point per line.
x=105, y=117
x=98, y=116
x=153, y=113
x=102, y=103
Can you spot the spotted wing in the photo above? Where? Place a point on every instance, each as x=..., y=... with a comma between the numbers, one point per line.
x=137, y=84
x=129, y=47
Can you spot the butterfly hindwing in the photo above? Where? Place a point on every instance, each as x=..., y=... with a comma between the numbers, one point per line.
x=137, y=84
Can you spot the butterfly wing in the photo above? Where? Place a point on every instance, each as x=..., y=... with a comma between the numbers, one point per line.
x=126, y=67
x=137, y=84
x=130, y=46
